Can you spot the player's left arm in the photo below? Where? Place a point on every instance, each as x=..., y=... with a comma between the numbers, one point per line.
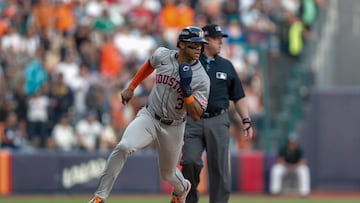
x=193, y=108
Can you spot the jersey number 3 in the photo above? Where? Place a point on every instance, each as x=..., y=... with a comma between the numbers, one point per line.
x=180, y=104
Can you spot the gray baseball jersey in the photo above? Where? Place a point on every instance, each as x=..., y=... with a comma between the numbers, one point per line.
x=165, y=101
x=165, y=98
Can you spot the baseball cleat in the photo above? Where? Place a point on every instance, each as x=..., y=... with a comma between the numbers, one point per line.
x=96, y=199
x=181, y=198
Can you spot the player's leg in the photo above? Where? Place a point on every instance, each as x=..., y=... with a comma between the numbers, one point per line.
x=191, y=162
x=169, y=145
x=276, y=175
x=217, y=138
x=303, y=179
x=139, y=133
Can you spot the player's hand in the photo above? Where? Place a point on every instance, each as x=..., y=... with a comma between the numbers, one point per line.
x=126, y=95
x=185, y=73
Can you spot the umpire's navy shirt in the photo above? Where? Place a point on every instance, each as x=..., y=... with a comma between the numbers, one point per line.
x=225, y=83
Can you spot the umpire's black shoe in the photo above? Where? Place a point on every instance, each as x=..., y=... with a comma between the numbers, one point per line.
x=96, y=199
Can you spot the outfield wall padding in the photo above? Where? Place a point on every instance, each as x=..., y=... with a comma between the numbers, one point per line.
x=79, y=172
x=50, y=172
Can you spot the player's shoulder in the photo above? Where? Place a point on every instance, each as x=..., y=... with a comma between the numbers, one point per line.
x=161, y=55
x=162, y=51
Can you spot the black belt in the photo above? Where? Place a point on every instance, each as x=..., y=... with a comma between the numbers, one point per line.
x=213, y=113
x=167, y=121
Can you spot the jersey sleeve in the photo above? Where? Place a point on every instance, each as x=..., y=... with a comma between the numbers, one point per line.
x=202, y=91
x=159, y=55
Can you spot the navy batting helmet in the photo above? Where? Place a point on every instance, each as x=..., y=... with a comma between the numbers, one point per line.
x=191, y=34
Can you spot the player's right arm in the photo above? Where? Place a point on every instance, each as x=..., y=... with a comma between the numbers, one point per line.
x=144, y=71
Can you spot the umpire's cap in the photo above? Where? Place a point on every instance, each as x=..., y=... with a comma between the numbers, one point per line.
x=213, y=30
x=191, y=34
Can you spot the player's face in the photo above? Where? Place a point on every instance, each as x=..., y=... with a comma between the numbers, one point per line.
x=193, y=49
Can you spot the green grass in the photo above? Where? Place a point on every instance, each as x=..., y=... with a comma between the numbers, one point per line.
x=166, y=198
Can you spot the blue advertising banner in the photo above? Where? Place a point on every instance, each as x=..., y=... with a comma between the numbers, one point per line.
x=46, y=171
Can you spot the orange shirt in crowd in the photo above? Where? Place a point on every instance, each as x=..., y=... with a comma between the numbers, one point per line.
x=186, y=15
x=168, y=16
x=110, y=60
x=64, y=19
x=3, y=27
x=174, y=16
x=43, y=16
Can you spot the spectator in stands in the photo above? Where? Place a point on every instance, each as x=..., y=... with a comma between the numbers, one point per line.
x=62, y=98
x=12, y=41
x=34, y=73
x=80, y=87
x=172, y=17
x=63, y=135
x=290, y=159
x=96, y=98
x=31, y=42
x=14, y=134
x=7, y=105
x=37, y=117
x=68, y=67
x=86, y=45
x=20, y=99
x=43, y=17
x=141, y=16
x=257, y=23
x=117, y=112
x=3, y=25
x=108, y=139
x=88, y=132
x=110, y=60
x=64, y=20
x=3, y=84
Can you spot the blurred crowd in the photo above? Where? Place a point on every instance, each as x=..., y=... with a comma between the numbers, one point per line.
x=63, y=63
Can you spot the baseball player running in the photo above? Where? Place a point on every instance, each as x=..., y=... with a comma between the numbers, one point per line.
x=179, y=89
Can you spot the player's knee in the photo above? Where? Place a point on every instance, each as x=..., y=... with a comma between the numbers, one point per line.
x=123, y=148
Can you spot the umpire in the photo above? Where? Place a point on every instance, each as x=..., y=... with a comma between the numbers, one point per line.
x=211, y=133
